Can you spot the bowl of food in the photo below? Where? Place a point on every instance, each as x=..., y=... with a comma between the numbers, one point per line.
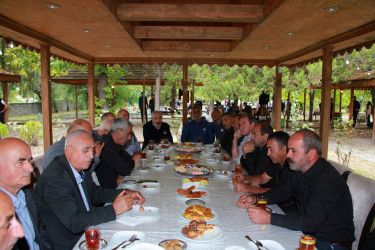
x=173, y=244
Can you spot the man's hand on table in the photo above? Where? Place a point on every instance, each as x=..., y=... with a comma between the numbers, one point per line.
x=246, y=200
x=238, y=177
x=241, y=187
x=259, y=215
x=122, y=203
x=136, y=157
x=137, y=197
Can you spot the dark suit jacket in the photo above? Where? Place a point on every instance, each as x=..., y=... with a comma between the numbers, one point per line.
x=151, y=133
x=41, y=235
x=61, y=206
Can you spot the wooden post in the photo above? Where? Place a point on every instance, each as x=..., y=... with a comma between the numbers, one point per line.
x=46, y=95
x=192, y=92
x=304, y=105
x=341, y=91
x=76, y=101
x=184, y=93
x=113, y=96
x=288, y=108
x=277, y=101
x=144, y=110
x=326, y=101
x=333, y=108
x=90, y=85
x=6, y=100
x=351, y=105
x=157, y=88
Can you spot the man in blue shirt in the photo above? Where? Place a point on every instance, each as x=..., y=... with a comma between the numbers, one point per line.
x=197, y=128
x=15, y=173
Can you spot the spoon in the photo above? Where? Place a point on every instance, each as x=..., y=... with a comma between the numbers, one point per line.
x=250, y=239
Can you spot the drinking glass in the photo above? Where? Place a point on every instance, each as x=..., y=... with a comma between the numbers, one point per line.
x=307, y=242
x=226, y=157
x=166, y=156
x=92, y=234
x=262, y=202
x=166, y=140
x=143, y=155
x=238, y=169
x=143, y=164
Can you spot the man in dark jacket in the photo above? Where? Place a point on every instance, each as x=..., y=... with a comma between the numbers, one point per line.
x=156, y=130
x=143, y=104
x=15, y=172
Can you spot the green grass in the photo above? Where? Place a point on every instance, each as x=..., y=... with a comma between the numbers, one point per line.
x=59, y=115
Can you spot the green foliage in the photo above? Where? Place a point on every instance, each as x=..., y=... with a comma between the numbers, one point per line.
x=31, y=132
x=4, y=131
x=343, y=134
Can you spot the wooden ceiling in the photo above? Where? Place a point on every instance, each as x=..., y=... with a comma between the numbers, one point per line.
x=252, y=32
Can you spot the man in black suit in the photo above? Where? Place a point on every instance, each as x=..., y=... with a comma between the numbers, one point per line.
x=156, y=129
x=68, y=199
x=15, y=173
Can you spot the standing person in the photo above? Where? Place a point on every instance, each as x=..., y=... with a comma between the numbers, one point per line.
x=3, y=108
x=152, y=103
x=156, y=130
x=143, y=106
x=15, y=172
x=356, y=107
x=369, y=112
x=10, y=229
x=68, y=200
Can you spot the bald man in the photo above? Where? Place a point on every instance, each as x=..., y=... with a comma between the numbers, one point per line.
x=67, y=198
x=15, y=173
x=10, y=228
x=57, y=148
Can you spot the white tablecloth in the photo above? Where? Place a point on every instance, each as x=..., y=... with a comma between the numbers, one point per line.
x=222, y=199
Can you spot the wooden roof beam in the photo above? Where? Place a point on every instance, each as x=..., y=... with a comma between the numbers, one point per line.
x=186, y=46
x=192, y=32
x=190, y=12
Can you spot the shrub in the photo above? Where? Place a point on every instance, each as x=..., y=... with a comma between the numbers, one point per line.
x=4, y=131
x=31, y=132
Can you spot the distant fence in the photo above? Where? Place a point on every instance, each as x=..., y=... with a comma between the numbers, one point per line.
x=16, y=109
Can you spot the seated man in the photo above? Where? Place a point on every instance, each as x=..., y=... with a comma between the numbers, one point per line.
x=67, y=198
x=277, y=144
x=197, y=128
x=114, y=160
x=242, y=135
x=156, y=129
x=216, y=124
x=15, y=172
x=323, y=200
x=57, y=148
x=104, y=128
x=227, y=139
x=10, y=229
x=132, y=145
x=105, y=116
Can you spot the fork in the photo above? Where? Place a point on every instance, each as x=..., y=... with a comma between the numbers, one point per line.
x=131, y=242
x=250, y=239
x=134, y=236
x=260, y=244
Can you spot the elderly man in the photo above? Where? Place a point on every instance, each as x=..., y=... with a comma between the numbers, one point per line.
x=57, y=148
x=67, y=198
x=323, y=200
x=227, y=139
x=15, y=172
x=216, y=124
x=132, y=146
x=10, y=229
x=115, y=162
x=104, y=128
x=242, y=135
x=197, y=128
x=277, y=149
x=156, y=129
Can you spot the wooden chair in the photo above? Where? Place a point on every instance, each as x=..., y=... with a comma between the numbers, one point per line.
x=37, y=164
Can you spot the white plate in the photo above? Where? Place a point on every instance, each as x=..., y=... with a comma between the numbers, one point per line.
x=148, y=212
x=180, y=214
x=235, y=248
x=212, y=161
x=226, y=162
x=207, y=237
x=218, y=154
x=221, y=173
x=170, y=162
x=270, y=244
x=145, y=246
x=150, y=151
x=158, y=165
x=119, y=237
x=206, y=153
x=158, y=158
x=203, y=197
x=150, y=185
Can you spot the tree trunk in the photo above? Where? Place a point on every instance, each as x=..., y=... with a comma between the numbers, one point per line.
x=67, y=104
x=2, y=49
x=102, y=84
x=311, y=105
x=210, y=108
x=173, y=97
x=157, y=88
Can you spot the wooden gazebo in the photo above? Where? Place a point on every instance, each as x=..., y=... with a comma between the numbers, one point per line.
x=7, y=77
x=255, y=32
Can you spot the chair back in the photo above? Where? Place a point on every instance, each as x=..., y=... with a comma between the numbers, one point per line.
x=362, y=190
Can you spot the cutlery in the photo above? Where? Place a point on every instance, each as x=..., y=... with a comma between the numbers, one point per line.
x=250, y=239
x=131, y=242
x=134, y=236
x=260, y=244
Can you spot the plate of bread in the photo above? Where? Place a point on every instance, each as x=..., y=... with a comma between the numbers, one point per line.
x=200, y=231
x=197, y=212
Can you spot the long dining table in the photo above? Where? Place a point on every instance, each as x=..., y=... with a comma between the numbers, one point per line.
x=222, y=199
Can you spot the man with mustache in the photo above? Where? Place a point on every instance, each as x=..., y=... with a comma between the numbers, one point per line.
x=15, y=173
x=69, y=200
x=227, y=139
x=156, y=129
x=324, y=206
x=10, y=229
x=197, y=128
